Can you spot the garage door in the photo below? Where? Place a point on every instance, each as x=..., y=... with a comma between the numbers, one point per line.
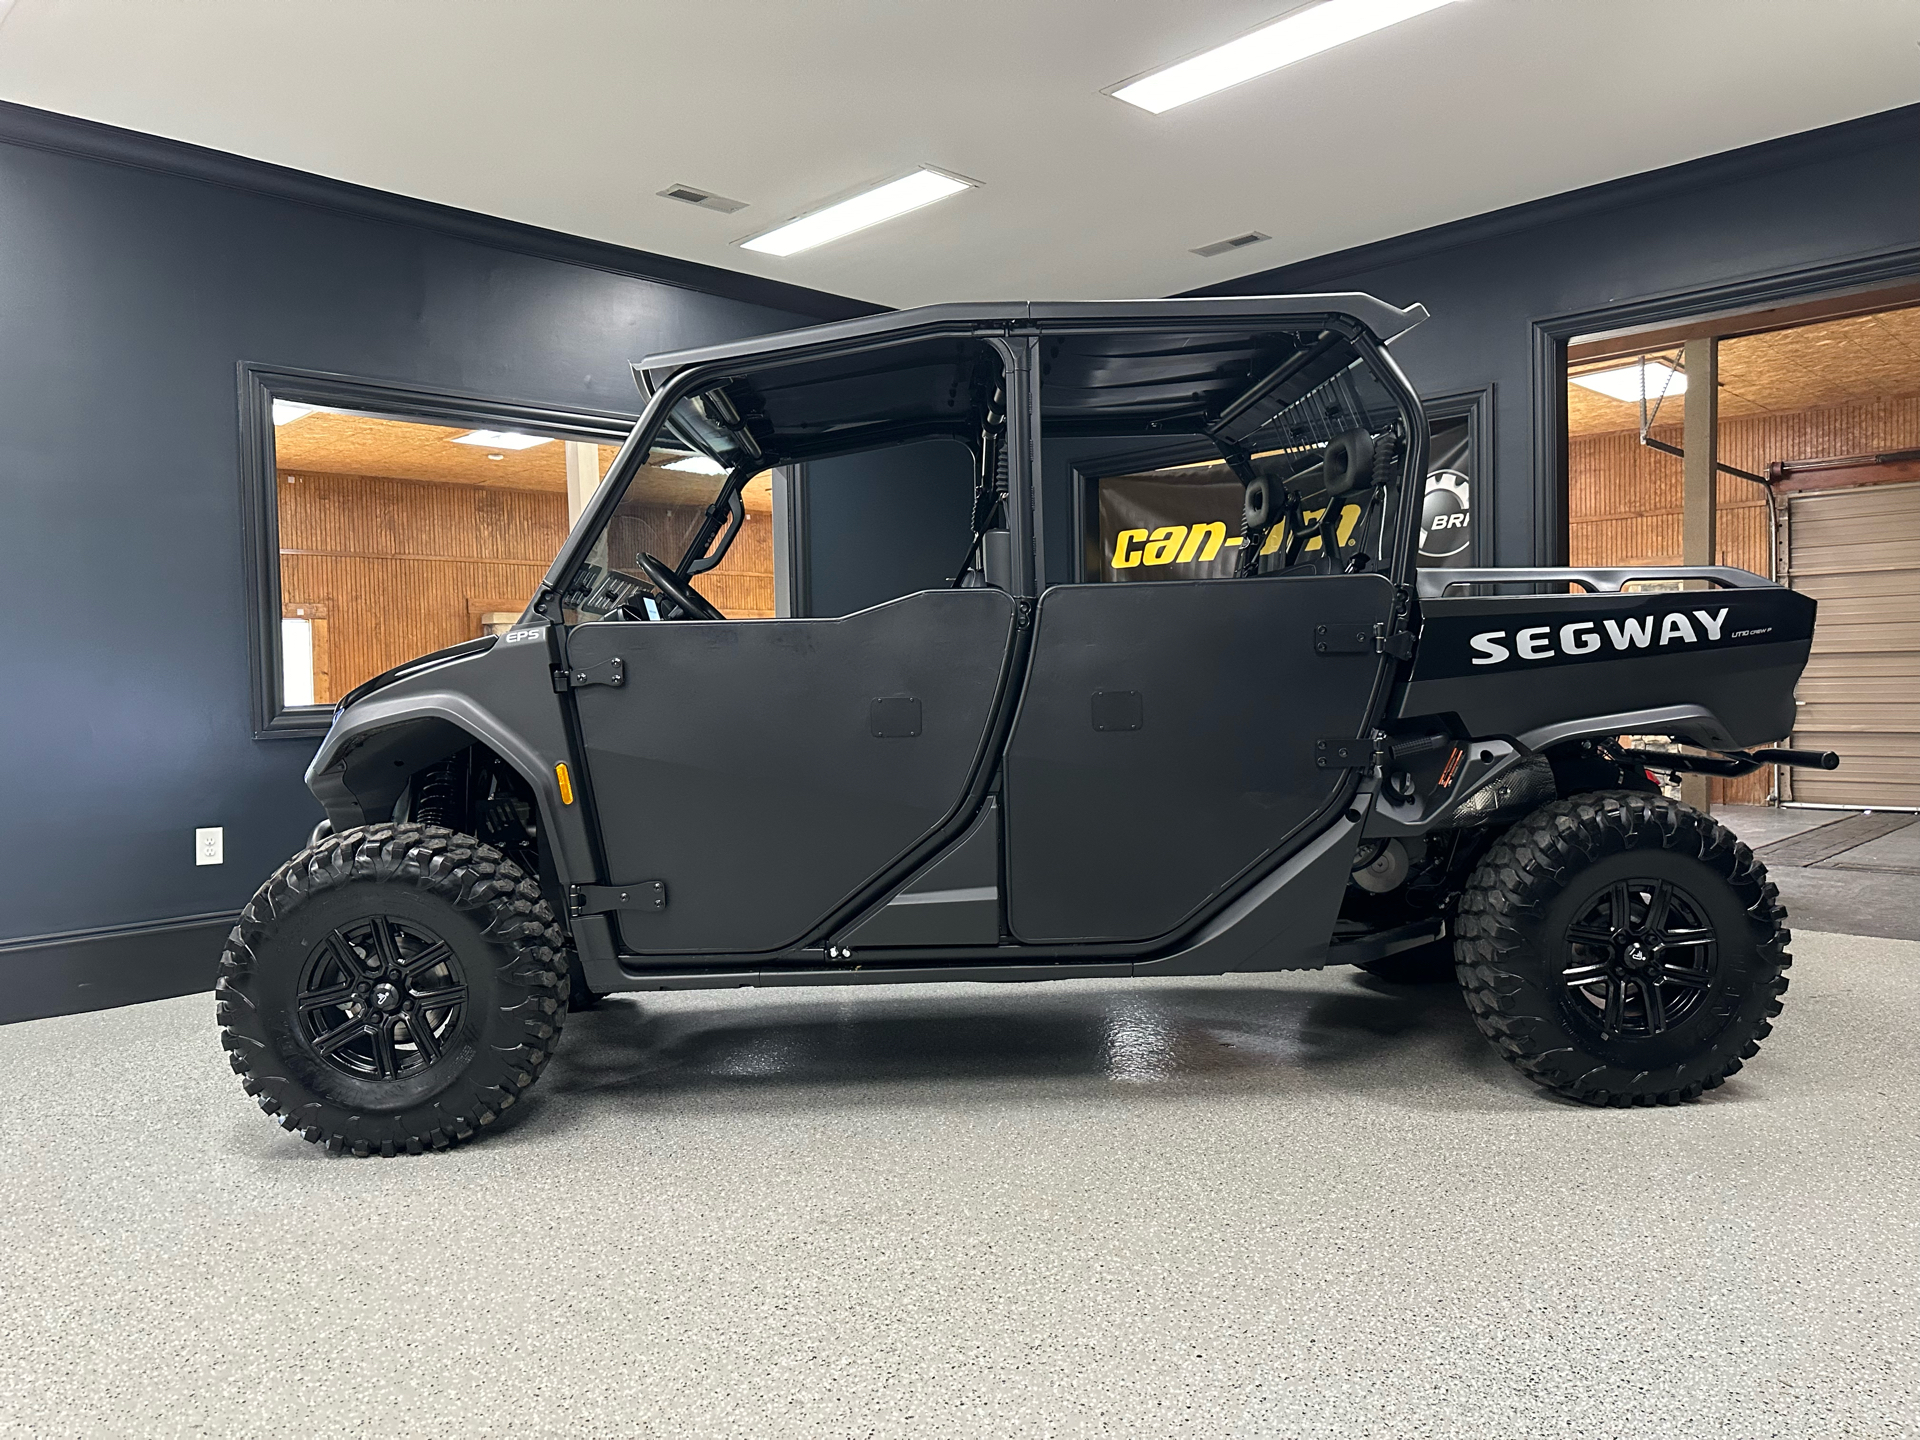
x=1857, y=552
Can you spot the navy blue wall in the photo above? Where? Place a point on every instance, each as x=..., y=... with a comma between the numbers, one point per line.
x=1825, y=203
x=128, y=292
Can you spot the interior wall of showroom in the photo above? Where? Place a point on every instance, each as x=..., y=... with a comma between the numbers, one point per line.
x=1829, y=209
x=135, y=274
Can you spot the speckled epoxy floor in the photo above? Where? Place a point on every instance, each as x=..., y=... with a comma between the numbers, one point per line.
x=1292, y=1205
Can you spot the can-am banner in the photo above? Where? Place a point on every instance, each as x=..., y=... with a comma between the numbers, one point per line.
x=1184, y=524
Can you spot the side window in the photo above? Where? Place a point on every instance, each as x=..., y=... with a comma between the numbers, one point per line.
x=381, y=532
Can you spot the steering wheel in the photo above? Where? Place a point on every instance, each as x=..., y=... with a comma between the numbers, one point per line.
x=690, y=601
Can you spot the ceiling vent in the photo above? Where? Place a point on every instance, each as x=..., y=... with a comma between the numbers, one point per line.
x=705, y=199
x=1238, y=242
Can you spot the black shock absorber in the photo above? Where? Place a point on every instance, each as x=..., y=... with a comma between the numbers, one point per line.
x=436, y=795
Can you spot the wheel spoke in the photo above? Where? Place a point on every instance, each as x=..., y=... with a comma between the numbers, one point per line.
x=1657, y=908
x=1589, y=933
x=1691, y=979
x=333, y=995
x=340, y=1034
x=444, y=999
x=1616, y=1004
x=1622, y=902
x=385, y=948
x=1656, y=1007
x=435, y=954
x=1577, y=976
x=383, y=1056
x=1687, y=935
x=420, y=1031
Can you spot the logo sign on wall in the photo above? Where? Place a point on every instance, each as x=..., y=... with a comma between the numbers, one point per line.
x=1185, y=524
x=1446, y=513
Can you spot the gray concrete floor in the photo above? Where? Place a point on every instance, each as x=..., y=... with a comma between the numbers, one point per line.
x=1296, y=1205
x=1870, y=889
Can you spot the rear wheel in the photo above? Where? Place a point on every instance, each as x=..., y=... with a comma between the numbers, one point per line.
x=393, y=988
x=1622, y=949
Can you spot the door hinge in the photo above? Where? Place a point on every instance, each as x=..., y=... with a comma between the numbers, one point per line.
x=608, y=672
x=1343, y=752
x=1347, y=639
x=1397, y=643
x=598, y=899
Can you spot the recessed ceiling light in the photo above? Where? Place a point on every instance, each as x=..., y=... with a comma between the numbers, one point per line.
x=500, y=439
x=285, y=412
x=870, y=207
x=1292, y=37
x=1651, y=378
x=699, y=465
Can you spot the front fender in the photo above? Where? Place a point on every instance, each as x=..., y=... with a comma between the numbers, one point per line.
x=503, y=699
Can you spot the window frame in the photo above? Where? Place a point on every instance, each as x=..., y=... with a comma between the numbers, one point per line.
x=259, y=386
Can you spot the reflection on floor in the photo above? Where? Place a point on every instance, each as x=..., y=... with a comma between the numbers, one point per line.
x=1302, y=1205
x=1838, y=870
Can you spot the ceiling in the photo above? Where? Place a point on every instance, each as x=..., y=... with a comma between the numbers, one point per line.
x=1852, y=361
x=570, y=114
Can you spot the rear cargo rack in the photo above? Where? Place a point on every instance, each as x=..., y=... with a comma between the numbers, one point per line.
x=1435, y=583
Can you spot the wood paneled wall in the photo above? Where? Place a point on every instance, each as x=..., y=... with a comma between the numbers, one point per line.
x=403, y=567
x=1623, y=499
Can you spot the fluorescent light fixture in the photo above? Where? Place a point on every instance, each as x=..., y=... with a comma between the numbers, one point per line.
x=870, y=207
x=1652, y=378
x=1292, y=37
x=500, y=439
x=286, y=412
x=698, y=465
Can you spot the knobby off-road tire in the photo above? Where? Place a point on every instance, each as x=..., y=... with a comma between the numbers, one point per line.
x=392, y=988
x=1622, y=949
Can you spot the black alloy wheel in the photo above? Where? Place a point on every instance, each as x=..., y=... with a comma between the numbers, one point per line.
x=1622, y=949
x=393, y=989
x=381, y=999
x=1641, y=959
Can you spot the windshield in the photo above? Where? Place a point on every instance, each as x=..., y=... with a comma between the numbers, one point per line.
x=662, y=513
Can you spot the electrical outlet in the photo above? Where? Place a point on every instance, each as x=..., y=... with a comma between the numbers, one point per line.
x=209, y=845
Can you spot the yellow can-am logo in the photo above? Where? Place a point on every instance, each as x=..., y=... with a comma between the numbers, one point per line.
x=1186, y=544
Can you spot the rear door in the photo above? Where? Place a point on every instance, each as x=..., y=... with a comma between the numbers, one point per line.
x=765, y=770
x=1165, y=747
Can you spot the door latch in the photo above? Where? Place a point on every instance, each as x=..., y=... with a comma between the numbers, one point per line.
x=608, y=672
x=599, y=899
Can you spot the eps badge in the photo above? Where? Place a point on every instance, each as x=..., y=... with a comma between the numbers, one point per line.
x=1444, y=516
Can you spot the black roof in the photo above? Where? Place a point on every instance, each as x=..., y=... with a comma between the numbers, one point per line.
x=1225, y=366
x=1382, y=320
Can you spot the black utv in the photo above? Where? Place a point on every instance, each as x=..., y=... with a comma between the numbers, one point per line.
x=1308, y=755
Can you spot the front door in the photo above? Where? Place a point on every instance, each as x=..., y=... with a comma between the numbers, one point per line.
x=1165, y=746
x=765, y=770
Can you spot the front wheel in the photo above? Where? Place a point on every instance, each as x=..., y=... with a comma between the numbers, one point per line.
x=393, y=988
x=1622, y=949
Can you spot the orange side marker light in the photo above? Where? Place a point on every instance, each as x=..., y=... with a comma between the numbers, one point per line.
x=566, y=783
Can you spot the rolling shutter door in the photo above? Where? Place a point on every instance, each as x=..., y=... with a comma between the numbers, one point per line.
x=1857, y=551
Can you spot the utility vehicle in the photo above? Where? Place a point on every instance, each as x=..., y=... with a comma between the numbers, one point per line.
x=985, y=765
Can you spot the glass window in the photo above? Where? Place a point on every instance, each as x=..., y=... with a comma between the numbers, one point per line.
x=396, y=538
